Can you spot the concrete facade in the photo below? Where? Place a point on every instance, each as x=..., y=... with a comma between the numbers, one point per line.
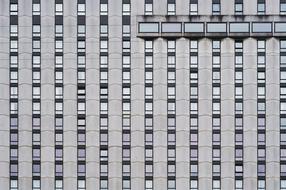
x=137, y=99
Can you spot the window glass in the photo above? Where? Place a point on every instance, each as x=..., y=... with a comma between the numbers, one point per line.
x=216, y=27
x=171, y=27
x=194, y=27
x=261, y=7
x=216, y=8
x=148, y=7
x=36, y=7
x=283, y=7
x=194, y=9
x=239, y=27
x=261, y=27
x=280, y=27
x=149, y=27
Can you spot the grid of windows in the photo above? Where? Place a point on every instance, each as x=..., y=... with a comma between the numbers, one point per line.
x=193, y=7
x=103, y=108
x=171, y=7
x=171, y=114
x=148, y=9
x=261, y=117
x=283, y=115
x=81, y=95
x=216, y=7
x=14, y=128
x=194, y=160
x=216, y=115
x=36, y=95
x=126, y=99
x=238, y=7
x=59, y=95
x=148, y=99
x=149, y=115
x=261, y=7
x=238, y=120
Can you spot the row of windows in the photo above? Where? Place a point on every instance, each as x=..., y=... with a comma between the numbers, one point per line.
x=149, y=115
x=171, y=8
x=261, y=106
x=282, y=117
x=59, y=96
x=238, y=60
x=126, y=92
x=216, y=110
x=213, y=27
x=14, y=139
x=81, y=99
x=216, y=7
x=171, y=113
x=36, y=104
x=103, y=108
x=194, y=115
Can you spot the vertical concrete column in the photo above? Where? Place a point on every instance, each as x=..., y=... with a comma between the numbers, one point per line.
x=25, y=94
x=272, y=114
x=182, y=7
x=183, y=116
x=47, y=95
x=227, y=113
x=137, y=109
x=250, y=7
x=160, y=114
x=4, y=94
x=92, y=94
x=227, y=7
x=70, y=94
x=250, y=114
x=160, y=7
x=137, y=103
x=205, y=7
x=115, y=91
x=205, y=114
x=138, y=8
x=273, y=7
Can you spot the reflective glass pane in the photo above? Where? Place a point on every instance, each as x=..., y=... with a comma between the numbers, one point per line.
x=216, y=27
x=171, y=27
x=194, y=27
x=280, y=27
x=239, y=27
x=261, y=27
x=149, y=27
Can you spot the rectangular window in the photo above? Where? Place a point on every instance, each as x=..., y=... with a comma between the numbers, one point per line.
x=13, y=9
x=280, y=27
x=216, y=7
x=172, y=27
x=265, y=27
x=149, y=27
x=261, y=6
x=282, y=6
x=239, y=27
x=216, y=27
x=148, y=7
x=171, y=7
x=193, y=7
x=238, y=7
x=194, y=27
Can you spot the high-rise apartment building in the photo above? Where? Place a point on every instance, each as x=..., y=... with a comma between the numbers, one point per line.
x=142, y=95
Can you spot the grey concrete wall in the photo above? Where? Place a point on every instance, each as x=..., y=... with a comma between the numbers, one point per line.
x=137, y=98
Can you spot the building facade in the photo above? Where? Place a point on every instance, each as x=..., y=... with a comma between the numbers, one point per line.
x=143, y=95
